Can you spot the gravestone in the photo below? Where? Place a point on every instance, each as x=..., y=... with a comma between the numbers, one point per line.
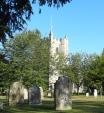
x=87, y=94
x=41, y=93
x=16, y=94
x=34, y=95
x=1, y=105
x=49, y=93
x=95, y=92
x=62, y=94
x=25, y=94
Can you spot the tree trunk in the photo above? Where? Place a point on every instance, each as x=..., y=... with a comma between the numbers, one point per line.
x=28, y=95
x=101, y=90
x=77, y=89
x=8, y=92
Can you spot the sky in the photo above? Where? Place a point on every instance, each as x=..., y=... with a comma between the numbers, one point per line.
x=82, y=21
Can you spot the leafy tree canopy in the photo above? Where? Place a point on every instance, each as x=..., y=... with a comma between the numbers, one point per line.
x=28, y=56
x=14, y=13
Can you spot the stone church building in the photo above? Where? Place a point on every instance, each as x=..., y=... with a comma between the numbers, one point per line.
x=59, y=46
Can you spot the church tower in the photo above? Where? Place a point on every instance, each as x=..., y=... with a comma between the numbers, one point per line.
x=63, y=48
x=56, y=46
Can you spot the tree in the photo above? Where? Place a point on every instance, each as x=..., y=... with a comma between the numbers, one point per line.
x=102, y=71
x=28, y=57
x=14, y=13
x=62, y=63
x=58, y=63
x=76, y=69
x=94, y=75
x=3, y=75
x=89, y=65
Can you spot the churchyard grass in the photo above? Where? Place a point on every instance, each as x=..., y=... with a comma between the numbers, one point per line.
x=81, y=104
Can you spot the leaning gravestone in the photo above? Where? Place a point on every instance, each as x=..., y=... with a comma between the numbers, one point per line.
x=16, y=94
x=34, y=95
x=62, y=93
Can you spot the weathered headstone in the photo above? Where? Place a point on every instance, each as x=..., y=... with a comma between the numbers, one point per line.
x=1, y=105
x=41, y=93
x=62, y=93
x=34, y=95
x=25, y=94
x=87, y=94
x=16, y=94
x=49, y=93
x=95, y=92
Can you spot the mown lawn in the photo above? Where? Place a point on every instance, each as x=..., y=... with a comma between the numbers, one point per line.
x=81, y=104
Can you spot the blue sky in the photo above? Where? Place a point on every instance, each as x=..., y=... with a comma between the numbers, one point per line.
x=81, y=20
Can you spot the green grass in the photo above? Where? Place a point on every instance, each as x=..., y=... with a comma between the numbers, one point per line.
x=81, y=104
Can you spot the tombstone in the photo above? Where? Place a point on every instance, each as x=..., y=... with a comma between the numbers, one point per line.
x=34, y=95
x=49, y=93
x=41, y=93
x=25, y=94
x=62, y=93
x=1, y=105
x=95, y=92
x=16, y=94
x=87, y=94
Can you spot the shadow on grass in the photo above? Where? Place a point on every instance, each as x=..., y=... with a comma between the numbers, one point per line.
x=88, y=106
x=79, y=106
x=46, y=107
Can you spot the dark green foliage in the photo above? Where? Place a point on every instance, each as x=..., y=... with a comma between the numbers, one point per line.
x=56, y=3
x=94, y=76
x=14, y=13
x=75, y=69
x=28, y=56
x=87, y=70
